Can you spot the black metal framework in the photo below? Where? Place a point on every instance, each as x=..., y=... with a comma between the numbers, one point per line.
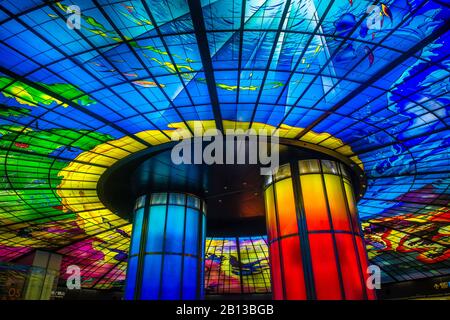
x=200, y=33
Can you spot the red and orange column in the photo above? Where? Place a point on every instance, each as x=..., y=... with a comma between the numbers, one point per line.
x=315, y=241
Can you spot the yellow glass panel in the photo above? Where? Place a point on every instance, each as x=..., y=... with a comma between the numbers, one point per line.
x=351, y=206
x=336, y=202
x=314, y=202
x=287, y=217
x=270, y=213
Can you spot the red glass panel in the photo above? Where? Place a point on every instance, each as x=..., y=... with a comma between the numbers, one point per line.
x=324, y=267
x=348, y=262
x=277, y=289
x=364, y=263
x=293, y=269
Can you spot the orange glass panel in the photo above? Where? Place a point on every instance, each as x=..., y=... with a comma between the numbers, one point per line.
x=324, y=267
x=336, y=201
x=287, y=217
x=294, y=281
x=363, y=258
x=275, y=268
x=270, y=213
x=352, y=206
x=314, y=202
x=351, y=275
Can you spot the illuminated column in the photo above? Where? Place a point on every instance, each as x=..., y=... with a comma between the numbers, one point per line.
x=315, y=241
x=42, y=276
x=166, y=258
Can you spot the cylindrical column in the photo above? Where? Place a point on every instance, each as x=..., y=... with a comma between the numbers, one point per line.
x=315, y=240
x=166, y=258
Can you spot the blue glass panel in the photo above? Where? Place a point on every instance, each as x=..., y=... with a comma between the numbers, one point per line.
x=159, y=198
x=151, y=277
x=202, y=268
x=189, y=278
x=137, y=231
x=171, y=277
x=175, y=229
x=193, y=202
x=131, y=278
x=191, y=238
x=155, y=230
x=140, y=202
x=177, y=198
x=203, y=234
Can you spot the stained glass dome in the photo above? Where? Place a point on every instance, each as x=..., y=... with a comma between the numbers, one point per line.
x=85, y=87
